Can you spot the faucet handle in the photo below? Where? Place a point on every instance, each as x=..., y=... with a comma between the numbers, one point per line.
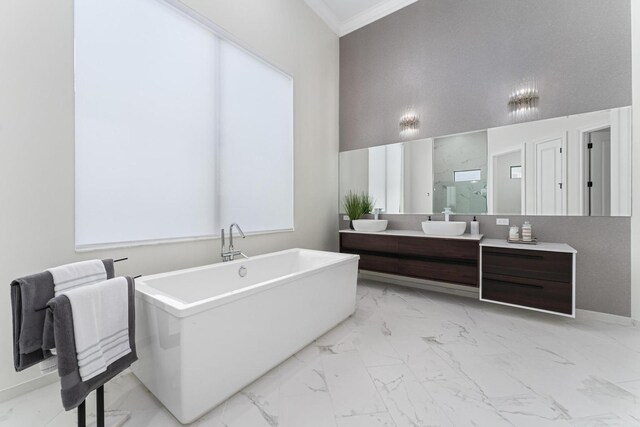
x=376, y=212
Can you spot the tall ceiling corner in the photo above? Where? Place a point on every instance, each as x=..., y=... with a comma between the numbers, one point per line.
x=345, y=16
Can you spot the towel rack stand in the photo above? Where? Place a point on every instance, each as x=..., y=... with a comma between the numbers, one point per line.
x=82, y=409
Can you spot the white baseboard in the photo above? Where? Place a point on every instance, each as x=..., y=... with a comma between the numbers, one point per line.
x=27, y=386
x=604, y=317
x=427, y=285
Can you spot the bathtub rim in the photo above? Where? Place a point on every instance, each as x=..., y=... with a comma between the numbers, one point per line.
x=180, y=309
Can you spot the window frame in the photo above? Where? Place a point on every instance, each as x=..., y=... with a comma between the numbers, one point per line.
x=511, y=169
x=456, y=172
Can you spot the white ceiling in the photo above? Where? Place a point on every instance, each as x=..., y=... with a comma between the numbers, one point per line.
x=345, y=16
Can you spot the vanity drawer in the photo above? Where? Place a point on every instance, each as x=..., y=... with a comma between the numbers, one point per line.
x=542, y=265
x=466, y=274
x=543, y=295
x=380, y=264
x=369, y=243
x=439, y=248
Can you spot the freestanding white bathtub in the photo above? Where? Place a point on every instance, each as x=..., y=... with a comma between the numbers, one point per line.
x=205, y=333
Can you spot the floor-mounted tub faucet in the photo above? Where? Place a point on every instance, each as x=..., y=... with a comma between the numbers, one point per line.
x=229, y=255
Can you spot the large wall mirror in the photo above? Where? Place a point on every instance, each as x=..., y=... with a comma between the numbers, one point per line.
x=571, y=165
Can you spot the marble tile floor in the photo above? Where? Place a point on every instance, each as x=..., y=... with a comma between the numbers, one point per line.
x=414, y=358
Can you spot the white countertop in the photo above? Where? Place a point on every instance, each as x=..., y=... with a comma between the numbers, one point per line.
x=541, y=246
x=416, y=233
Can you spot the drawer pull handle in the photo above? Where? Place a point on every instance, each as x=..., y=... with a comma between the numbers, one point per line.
x=514, y=255
x=521, y=285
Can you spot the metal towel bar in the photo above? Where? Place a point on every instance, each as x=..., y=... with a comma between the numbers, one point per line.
x=115, y=260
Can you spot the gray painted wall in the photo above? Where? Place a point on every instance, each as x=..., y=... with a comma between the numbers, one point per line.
x=456, y=61
x=603, y=266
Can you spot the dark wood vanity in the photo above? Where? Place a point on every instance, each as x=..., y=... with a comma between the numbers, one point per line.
x=451, y=260
x=536, y=277
x=540, y=277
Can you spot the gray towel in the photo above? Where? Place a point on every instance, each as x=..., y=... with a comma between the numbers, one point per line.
x=27, y=295
x=73, y=389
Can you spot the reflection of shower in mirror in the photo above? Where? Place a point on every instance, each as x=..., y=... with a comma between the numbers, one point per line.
x=481, y=192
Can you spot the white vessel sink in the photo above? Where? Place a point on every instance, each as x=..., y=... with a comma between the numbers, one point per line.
x=444, y=228
x=370, y=224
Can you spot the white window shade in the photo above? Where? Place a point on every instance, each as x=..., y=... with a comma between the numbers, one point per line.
x=256, y=143
x=178, y=132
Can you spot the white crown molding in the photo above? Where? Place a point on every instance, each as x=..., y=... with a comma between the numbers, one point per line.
x=372, y=14
x=325, y=13
x=363, y=18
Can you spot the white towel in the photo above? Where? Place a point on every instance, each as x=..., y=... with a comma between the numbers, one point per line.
x=82, y=273
x=67, y=277
x=49, y=365
x=100, y=324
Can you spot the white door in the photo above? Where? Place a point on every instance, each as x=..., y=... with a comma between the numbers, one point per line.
x=418, y=176
x=507, y=188
x=378, y=176
x=549, y=189
x=394, y=179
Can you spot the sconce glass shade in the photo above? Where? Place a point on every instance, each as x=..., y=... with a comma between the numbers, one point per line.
x=523, y=101
x=409, y=124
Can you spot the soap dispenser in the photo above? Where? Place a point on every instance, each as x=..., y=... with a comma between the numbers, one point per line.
x=475, y=227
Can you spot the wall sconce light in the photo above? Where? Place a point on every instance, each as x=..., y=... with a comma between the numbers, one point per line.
x=523, y=101
x=409, y=124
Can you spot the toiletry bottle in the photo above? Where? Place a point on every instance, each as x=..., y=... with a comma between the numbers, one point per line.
x=514, y=233
x=475, y=227
x=526, y=232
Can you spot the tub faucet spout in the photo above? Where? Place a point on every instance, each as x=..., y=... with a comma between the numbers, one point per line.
x=229, y=255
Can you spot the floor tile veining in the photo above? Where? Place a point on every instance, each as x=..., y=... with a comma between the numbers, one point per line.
x=414, y=358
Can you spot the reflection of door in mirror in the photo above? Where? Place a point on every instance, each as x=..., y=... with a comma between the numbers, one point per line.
x=418, y=176
x=386, y=177
x=555, y=181
x=507, y=183
x=549, y=182
x=597, y=172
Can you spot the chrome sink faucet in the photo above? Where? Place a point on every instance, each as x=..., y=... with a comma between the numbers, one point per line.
x=447, y=212
x=229, y=255
x=376, y=213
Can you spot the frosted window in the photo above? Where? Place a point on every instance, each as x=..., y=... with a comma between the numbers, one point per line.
x=515, y=172
x=470, y=175
x=256, y=152
x=178, y=132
